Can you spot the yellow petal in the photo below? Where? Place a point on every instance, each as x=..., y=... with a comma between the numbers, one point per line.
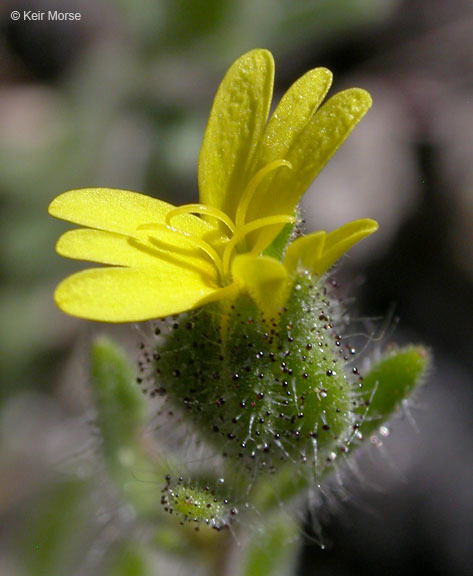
x=291, y=115
x=309, y=152
x=120, y=211
x=319, y=251
x=131, y=294
x=304, y=251
x=341, y=239
x=148, y=252
x=264, y=278
x=235, y=126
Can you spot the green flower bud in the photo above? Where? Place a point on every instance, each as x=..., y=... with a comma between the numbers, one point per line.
x=264, y=391
x=196, y=504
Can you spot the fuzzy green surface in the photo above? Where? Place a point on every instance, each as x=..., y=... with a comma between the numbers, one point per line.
x=120, y=405
x=389, y=382
x=197, y=504
x=265, y=392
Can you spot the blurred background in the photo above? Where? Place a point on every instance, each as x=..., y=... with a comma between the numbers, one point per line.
x=120, y=99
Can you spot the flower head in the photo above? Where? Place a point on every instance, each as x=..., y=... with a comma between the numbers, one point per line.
x=252, y=172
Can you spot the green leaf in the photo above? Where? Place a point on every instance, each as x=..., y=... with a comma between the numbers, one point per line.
x=119, y=401
x=385, y=386
x=128, y=559
x=55, y=524
x=282, y=487
x=389, y=382
x=120, y=417
x=271, y=551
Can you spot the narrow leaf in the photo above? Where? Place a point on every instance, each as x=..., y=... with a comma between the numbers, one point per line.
x=119, y=402
x=272, y=551
x=128, y=559
x=389, y=382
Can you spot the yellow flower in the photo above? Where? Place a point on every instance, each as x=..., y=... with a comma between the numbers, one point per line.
x=252, y=172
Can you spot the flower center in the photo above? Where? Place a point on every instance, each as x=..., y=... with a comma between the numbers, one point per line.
x=238, y=230
x=251, y=188
x=192, y=240
x=201, y=209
